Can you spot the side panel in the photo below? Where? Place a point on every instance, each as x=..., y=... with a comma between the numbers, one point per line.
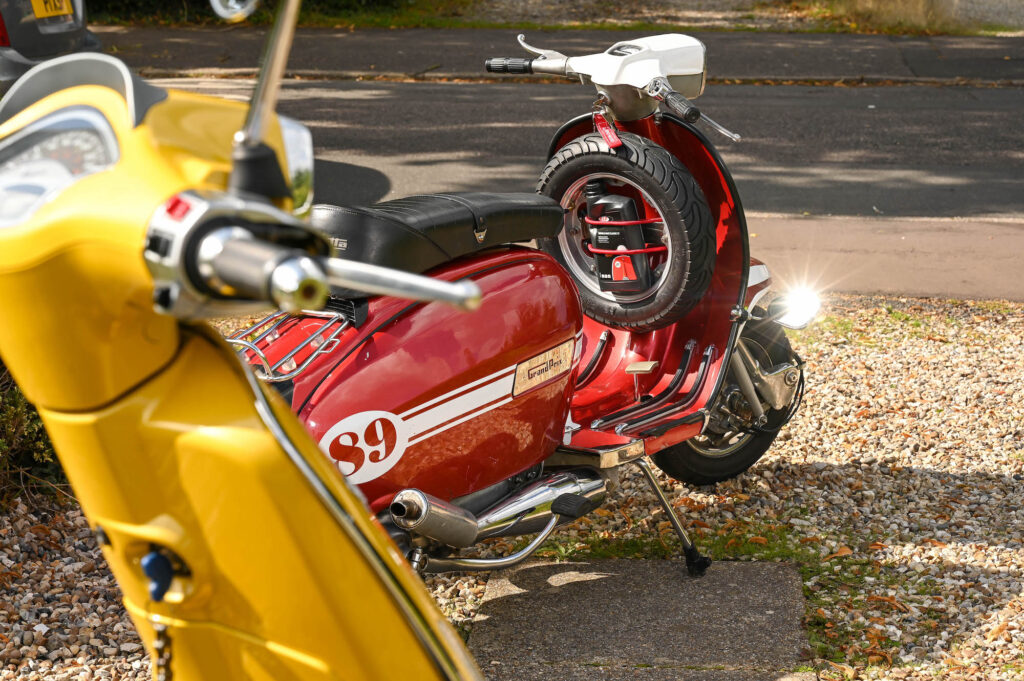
x=451, y=402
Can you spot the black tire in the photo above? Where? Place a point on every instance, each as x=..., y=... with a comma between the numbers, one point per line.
x=691, y=463
x=686, y=275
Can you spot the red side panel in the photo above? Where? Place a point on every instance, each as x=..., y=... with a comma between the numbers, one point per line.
x=426, y=396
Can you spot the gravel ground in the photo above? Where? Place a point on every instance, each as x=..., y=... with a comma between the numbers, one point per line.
x=897, y=490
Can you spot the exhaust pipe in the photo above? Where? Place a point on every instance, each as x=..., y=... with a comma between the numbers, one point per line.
x=527, y=511
x=431, y=517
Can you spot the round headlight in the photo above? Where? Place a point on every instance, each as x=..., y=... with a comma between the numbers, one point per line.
x=796, y=309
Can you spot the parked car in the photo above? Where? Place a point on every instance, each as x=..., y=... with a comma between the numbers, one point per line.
x=32, y=31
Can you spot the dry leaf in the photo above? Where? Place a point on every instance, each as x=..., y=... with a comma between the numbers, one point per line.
x=996, y=632
x=701, y=523
x=741, y=497
x=935, y=542
x=842, y=551
x=731, y=542
x=891, y=600
x=878, y=546
x=810, y=540
x=604, y=512
x=849, y=672
x=757, y=540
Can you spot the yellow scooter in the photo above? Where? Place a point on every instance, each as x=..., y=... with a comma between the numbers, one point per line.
x=128, y=214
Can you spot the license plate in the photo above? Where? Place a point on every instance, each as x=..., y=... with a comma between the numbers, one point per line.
x=52, y=8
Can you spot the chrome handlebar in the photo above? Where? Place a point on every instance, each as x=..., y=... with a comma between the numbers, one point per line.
x=233, y=263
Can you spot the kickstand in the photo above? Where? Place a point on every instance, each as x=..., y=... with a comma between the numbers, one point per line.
x=696, y=564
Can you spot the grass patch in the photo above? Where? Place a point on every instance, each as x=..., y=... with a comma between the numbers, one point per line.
x=921, y=17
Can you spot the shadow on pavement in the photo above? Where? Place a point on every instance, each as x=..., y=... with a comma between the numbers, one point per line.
x=344, y=183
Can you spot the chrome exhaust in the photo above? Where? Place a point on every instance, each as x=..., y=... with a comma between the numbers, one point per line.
x=426, y=515
x=529, y=510
x=525, y=512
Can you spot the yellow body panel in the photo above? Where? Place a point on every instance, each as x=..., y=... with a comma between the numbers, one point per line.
x=277, y=589
x=80, y=256
x=161, y=436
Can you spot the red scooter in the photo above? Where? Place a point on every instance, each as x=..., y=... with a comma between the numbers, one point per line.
x=640, y=328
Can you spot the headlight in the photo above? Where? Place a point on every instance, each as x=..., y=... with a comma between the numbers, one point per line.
x=43, y=159
x=796, y=309
x=298, y=150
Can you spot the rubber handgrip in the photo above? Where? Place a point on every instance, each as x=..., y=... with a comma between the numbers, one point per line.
x=516, y=65
x=682, y=106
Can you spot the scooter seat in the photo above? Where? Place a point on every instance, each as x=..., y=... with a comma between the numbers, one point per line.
x=418, y=233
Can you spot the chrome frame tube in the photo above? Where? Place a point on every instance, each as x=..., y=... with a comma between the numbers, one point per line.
x=746, y=385
x=425, y=563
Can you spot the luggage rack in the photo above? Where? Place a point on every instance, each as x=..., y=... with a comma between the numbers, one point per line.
x=323, y=339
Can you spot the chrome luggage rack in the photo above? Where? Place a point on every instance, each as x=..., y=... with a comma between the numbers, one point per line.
x=267, y=330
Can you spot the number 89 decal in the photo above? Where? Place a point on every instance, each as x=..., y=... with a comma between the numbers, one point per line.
x=366, y=445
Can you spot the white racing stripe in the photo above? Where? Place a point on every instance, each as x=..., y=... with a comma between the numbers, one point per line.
x=423, y=423
x=460, y=389
x=362, y=462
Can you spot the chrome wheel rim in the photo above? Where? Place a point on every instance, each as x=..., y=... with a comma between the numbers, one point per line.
x=717, y=447
x=582, y=264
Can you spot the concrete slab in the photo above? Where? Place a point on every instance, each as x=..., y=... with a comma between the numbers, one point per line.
x=639, y=619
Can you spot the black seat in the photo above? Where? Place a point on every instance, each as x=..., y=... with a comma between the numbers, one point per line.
x=420, y=232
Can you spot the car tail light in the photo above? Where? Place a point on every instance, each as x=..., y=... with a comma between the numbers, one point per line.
x=5, y=40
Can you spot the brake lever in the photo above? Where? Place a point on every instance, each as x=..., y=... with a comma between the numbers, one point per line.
x=660, y=89
x=542, y=54
x=724, y=131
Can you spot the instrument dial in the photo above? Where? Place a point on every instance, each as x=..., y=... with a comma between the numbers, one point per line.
x=80, y=151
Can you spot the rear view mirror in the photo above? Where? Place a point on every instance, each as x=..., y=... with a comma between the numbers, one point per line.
x=234, y=10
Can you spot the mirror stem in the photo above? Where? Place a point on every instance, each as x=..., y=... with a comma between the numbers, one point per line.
x=275, y=58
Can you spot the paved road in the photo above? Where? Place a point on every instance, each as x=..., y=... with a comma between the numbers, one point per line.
x=911, y=190
x=461, y=52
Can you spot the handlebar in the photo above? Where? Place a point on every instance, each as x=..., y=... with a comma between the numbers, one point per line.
x=508, y=65
x=232, y=262
x=682, y=106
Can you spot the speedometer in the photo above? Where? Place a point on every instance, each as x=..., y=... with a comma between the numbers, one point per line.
x=81, y=152
x=40, y=161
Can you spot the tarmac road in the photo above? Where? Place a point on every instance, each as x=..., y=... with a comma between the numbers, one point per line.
x=914, y=190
